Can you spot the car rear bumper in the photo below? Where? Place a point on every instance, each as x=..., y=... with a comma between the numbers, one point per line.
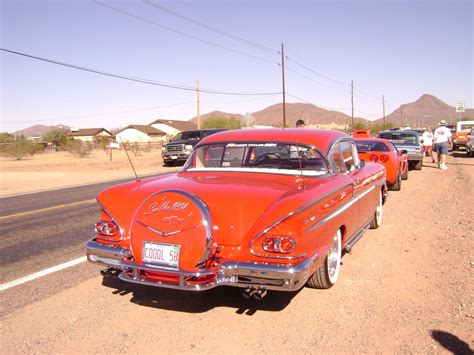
x=271, y=276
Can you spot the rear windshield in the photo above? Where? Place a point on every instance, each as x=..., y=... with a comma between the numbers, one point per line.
x=371, y=146
x=400, y=137
x=280, y=158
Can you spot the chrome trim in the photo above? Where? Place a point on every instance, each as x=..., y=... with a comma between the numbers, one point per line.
x=273, y=276
x=341, y=209
x=204, y=213
x=165, y=234
x=282, y=219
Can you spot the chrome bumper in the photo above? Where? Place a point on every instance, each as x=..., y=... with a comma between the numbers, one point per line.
x=272, y=276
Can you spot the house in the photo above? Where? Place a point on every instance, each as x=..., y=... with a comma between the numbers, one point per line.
x=139, y=134
x=88, y=134
x=173, y=127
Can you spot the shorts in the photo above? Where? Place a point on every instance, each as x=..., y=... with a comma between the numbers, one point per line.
x=427, y=148
x=442, y=148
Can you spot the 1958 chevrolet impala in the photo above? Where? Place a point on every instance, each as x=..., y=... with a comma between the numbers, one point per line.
x=257, y=209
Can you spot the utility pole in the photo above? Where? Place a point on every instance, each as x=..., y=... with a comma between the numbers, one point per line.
x=352, y=102
x=198, y=114
x=283, y=83
x=401, y=117
x=383, y=104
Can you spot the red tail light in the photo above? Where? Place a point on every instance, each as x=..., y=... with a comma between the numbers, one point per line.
x=107, y=228
x=282, y=245
x=374, y=158
x=384, y=158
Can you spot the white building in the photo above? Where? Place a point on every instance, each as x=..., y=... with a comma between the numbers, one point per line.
x=173, y=127
x=139, y=134
x=88, y=134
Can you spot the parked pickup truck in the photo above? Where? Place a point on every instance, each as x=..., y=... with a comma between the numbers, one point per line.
x=180, y=147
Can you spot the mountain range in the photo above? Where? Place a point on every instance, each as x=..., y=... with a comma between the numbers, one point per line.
x=428, y=110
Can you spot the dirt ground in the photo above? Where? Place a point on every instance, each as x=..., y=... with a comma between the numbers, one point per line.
x=60, y=169
x=406, y=288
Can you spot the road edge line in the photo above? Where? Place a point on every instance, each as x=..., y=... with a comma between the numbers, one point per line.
x=42, y=273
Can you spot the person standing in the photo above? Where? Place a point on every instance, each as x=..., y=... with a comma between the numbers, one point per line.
x=442, y=140
x=300, y=124
x=427, y=139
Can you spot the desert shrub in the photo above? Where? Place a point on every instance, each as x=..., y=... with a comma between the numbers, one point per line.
x=19, y=147
x=79, y=148
x=58, y=137
x=222, y=122
x=101, y=142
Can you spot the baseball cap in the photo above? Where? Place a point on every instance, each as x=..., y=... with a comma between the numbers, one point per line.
x=443, y=123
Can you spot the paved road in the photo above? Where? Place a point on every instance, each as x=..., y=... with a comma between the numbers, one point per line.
x=46, y=199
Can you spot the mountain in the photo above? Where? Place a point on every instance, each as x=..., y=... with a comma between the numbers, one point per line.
x=311, y=114
x=428, y=110
x=38, y=130
x=272, y=116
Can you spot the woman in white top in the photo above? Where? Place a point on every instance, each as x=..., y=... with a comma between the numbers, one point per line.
x=427, y=139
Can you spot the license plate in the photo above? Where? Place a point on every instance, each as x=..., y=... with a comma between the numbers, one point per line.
x=174, y=157
x=161, y=254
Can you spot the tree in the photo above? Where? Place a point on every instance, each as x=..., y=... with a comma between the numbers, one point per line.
x=58, y=137
x=222, y=122
x=79, y=148
x=18, y=147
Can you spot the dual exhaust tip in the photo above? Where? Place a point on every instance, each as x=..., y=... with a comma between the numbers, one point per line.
x=256, y=293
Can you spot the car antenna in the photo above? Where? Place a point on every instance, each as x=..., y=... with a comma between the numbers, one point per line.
x=130, y=160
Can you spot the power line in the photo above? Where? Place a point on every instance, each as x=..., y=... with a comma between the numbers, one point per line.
x=104, y=113
x=183, y=33
x=313, y=80
x=367, y=95
x=317, y=73
x=367, y=114
x=139, y=80
x=211, y=28
x=324, y=107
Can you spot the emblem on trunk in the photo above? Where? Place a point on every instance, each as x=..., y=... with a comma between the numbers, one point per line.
x=173, y=220
x=165, y=234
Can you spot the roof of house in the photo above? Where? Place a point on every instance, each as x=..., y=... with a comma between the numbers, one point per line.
x=179, y=125
x=88, y=132
x=149, y=130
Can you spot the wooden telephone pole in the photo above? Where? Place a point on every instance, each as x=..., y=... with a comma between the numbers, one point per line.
x=383, y=104
x=198, y=114
x=283, y=83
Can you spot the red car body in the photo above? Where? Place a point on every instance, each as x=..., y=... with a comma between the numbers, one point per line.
x=382, y=151
x=257, y=209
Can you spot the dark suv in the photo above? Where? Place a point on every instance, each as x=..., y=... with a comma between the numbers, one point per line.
x=409, y=141
x=180, y=147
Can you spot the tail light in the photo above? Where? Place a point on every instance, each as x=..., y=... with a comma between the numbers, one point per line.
x=107, y=228
x=384, y=158
x=374, y=158
x=282, y=245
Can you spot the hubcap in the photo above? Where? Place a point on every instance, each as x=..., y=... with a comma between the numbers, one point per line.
x=334, y=258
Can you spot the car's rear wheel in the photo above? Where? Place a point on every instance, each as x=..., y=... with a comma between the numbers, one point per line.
x=405, y=175
x=398, y=183
x=327, y=274
x=418, y=165
x=377, y=218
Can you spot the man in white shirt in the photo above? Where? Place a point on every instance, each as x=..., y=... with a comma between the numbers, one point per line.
x=427, y=140
x=442, y=140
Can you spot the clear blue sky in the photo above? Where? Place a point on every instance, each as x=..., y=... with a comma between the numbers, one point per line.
x=400, y=49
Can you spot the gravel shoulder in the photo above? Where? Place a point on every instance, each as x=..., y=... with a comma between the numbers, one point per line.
x=405, y=288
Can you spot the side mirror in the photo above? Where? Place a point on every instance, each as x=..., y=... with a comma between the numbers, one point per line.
x=361, y=164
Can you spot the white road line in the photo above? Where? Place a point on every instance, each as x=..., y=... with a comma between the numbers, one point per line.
x=42, y=273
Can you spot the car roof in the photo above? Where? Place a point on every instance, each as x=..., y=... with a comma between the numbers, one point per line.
x=322, y=138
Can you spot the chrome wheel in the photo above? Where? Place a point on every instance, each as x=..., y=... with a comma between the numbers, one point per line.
x=378, y=211
x=334, y=258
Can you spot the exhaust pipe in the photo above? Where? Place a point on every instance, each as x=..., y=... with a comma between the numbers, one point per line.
x=248, y=292
x=260, y=293
x=109, y=272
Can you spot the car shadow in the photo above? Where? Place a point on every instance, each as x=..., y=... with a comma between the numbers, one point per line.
x=198, y=302
x=451, y=342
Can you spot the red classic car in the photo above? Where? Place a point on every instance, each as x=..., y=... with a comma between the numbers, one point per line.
x=382, y=151
x=258, y=209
